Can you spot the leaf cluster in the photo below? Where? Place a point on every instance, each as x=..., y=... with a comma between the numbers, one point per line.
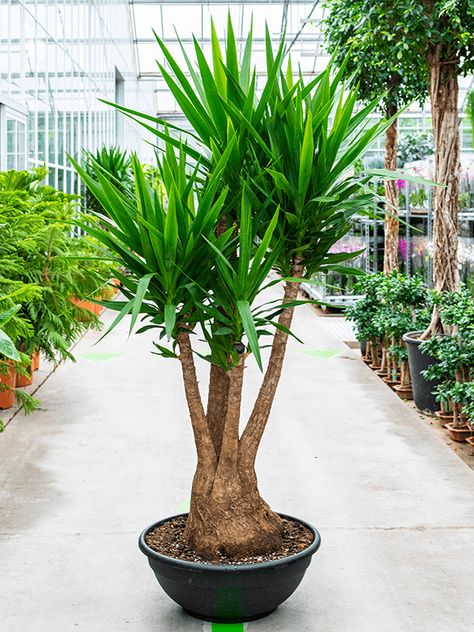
x=42, y=266
x=263, y=180
x=391, y=306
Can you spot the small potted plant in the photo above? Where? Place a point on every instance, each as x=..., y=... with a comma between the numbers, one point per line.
x=12, y=326
x=448, y=357
x=265, y=185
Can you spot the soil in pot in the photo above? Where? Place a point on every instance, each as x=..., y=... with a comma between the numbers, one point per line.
x=229, y=590
x=167, y=539
x=418, y=362
x=8, y=379
x=459, y=434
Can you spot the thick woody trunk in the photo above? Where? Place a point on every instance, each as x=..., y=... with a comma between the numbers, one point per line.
x=227, y=514
x=391, y=224
x=255, y=428
x=217, y=404
x=230, y=517
x=444, y=109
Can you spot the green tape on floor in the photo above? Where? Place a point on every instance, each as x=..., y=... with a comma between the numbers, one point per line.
x=323, y=354
x=100, y=357
x=183, y=506
x=227, y=627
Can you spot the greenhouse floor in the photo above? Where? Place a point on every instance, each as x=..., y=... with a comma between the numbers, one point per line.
x=111, y=452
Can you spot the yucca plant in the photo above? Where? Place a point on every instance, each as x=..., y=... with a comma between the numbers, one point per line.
x=116, y=162
x=262, y=182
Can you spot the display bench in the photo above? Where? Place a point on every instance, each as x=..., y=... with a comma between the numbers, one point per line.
x=415, y=247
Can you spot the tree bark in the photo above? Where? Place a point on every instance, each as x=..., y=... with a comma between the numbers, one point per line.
x=255, y=428
x=444, y=111
x=391, y=223
x=227, y=514
x=231, y=518
x=217, y=404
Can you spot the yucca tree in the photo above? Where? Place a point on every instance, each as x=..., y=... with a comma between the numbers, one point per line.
x=266, y=183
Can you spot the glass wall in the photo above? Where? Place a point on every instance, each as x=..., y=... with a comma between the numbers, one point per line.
x=57, y=59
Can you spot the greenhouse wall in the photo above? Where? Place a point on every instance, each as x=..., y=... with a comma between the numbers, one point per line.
x=57, y=59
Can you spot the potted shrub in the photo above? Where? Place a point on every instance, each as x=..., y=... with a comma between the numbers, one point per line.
x=38, y=250
x=454, y=360
x=391, y=304
x=265, y=185
x=404, y=301
x=12, y=360
x=362, y=313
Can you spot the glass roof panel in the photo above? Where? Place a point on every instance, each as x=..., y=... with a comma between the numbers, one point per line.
x=299, y=19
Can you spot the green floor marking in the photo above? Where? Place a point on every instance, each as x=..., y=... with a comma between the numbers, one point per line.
x=323, y=354
x=100, y=357
x=227, y=627
x=183, y=506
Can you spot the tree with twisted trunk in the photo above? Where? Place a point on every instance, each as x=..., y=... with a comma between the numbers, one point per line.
x=264, y=184
x=376, y=39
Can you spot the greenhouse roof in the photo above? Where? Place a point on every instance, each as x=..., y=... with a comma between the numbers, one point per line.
x=173, y=18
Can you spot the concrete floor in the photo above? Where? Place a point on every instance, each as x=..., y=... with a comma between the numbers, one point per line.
x=112, y=451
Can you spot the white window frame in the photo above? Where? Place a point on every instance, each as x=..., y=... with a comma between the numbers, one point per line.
x=11, y=110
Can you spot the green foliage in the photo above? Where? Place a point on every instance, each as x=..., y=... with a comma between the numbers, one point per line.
x=264, y=180
x=470, y=111
x=454, y=351
x=42, y=267
x=387, y=44
x=377, y=40
x=414, y=147
x=114, y=161
x=392, y=305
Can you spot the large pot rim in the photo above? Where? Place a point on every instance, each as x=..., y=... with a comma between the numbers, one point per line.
x=201, y=566
x=409, y=337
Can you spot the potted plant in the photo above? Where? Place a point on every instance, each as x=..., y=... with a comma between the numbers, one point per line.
x=454, y=359
x=12, y=360
x=265, y=185
x=38, y=250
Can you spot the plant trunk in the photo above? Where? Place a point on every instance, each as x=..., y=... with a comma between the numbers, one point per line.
x=254, y=430
x=227, y=515
x=217, y=404
x=391, y=224
x=444, y=111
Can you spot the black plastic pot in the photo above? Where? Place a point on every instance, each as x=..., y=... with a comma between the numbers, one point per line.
x=418, y=362
x=227, y=593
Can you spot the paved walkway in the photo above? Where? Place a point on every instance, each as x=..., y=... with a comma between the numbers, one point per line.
x=112, y=451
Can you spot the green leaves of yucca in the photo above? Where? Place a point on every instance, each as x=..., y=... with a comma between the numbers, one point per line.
x=164, y=245
x=260, y=181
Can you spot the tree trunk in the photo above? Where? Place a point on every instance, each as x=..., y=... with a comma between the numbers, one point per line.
x=227, y=514
x=217, y=404
x=255, y=428
x=391, y=223
x=230, y=517
x=444, y=111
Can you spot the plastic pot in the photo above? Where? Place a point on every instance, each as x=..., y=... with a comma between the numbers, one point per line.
x=226, y=593
x=25, y=380
x=8, y=379
x=35, y=360
x=418, y=361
